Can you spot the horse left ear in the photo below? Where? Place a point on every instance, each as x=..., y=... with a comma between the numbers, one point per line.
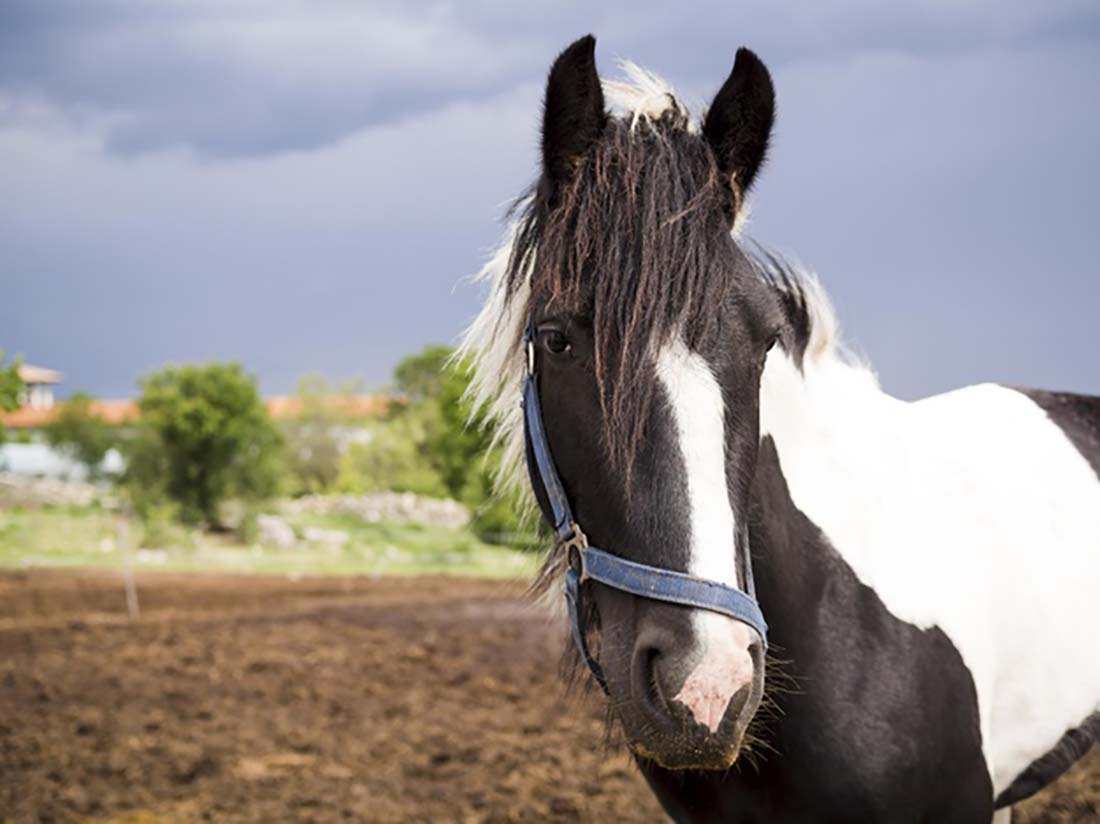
x=739, y=122
x=573, y=113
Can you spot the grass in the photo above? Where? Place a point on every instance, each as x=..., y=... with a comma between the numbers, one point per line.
x=89, y=537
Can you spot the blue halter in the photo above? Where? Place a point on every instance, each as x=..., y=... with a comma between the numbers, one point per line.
x=588, y=563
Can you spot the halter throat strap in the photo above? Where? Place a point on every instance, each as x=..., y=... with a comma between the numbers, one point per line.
x=587, y=563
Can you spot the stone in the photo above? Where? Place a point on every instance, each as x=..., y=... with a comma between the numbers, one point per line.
x=386, y=506
x=275, y=531
x=329, y=537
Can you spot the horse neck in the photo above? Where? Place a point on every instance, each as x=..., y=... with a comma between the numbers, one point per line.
x=822, y=412
x=817, y=422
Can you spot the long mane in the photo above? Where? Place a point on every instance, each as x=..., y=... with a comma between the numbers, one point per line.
x=641, y=105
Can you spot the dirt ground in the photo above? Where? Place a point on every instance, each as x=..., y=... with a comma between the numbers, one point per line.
x=265, y=699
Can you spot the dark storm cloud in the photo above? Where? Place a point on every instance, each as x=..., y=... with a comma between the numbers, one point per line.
x=303, y=185
x=244, y=78
x=259, y=77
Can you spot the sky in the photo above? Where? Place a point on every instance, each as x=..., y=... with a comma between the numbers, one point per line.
x=305, y=186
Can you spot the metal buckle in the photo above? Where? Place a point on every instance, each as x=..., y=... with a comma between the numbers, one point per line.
x=577, y=539
x=573, y=545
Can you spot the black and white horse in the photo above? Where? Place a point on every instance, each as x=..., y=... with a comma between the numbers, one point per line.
x=930, y=571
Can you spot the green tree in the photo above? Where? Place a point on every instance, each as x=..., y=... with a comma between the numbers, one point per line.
x=205, y=436
x=459, y=444
x=420, y=377
x=11, y=388
x=455, y=444
x=391, y=458
x=314, y=437
x=80, y=434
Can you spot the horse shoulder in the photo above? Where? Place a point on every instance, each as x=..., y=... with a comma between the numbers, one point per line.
x=972, y=512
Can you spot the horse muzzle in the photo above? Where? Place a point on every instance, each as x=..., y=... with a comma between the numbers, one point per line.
x=690, y=689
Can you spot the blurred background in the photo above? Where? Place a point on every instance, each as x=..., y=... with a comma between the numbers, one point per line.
x=248, y=534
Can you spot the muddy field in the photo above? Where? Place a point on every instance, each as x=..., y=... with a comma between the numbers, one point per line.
x=264, y=700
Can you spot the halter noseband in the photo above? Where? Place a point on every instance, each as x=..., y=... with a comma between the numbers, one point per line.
x=588, y=563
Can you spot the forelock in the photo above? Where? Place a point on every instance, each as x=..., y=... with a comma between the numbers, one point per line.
x=638, y=241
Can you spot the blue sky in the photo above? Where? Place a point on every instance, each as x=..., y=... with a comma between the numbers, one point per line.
x=303, y=186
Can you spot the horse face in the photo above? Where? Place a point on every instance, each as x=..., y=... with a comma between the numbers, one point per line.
x=651, y=333
x=684, y=682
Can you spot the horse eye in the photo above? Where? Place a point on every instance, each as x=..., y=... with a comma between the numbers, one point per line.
x=554, y=342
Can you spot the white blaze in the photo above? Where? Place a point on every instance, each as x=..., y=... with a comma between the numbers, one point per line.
x=723, y=663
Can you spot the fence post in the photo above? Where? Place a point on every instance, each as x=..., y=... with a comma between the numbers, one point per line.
x=128, y=565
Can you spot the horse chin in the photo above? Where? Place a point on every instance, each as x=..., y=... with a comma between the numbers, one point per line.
x=709, y=754
x=682, y=744
x=693, y=747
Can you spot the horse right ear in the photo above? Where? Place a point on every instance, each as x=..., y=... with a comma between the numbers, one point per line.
x=739, y=122
x=573, y=113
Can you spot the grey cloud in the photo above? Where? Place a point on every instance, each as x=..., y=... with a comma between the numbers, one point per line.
x=231, y=79
x=263, y=77
x=337, y=261
x=933, y=163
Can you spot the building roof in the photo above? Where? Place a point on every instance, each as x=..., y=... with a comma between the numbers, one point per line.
x=38, y=374
x=353, y=407
x=117, y=412
x=111, y=412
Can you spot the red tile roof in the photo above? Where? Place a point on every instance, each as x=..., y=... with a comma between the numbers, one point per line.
x=116, y=412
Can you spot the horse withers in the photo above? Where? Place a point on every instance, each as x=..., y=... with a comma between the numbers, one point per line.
x=927, y=571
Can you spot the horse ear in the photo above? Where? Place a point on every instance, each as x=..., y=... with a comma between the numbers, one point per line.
x=573, y=113
x=739, y=122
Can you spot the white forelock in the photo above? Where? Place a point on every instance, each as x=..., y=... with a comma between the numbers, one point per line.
x=641, y=96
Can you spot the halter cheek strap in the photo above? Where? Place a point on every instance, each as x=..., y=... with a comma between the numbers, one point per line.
x=589, y=563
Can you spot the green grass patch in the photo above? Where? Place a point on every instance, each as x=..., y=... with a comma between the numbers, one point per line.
x=66, y=537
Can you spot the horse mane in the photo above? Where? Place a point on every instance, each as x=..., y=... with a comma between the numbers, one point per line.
x=678, y=179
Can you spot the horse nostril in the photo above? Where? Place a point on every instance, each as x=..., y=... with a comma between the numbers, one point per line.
x=739, y=701
x=649, y=659
x=653, y=696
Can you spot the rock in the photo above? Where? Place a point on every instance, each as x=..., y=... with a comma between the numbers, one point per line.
x=329, y=537
x=29, y=492
x=275, y=531
x=386, y=506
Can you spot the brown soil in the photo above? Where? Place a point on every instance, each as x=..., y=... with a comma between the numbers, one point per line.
x=265, y=699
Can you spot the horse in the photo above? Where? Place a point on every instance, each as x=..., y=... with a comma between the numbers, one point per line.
x=682, y=400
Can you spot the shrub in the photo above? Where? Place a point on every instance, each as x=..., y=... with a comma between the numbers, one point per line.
x=391, y=457
x=79, y=434
x=456, y=445
x=204, y=436
x=315, y=438
x=11, y=388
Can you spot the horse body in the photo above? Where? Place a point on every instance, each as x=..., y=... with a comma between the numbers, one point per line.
x=974, y=512
x=931, y=568
x=928, y=570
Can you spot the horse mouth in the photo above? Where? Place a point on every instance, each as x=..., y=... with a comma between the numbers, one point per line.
x=706, y=754
x=685, y=744
x=678, y=741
